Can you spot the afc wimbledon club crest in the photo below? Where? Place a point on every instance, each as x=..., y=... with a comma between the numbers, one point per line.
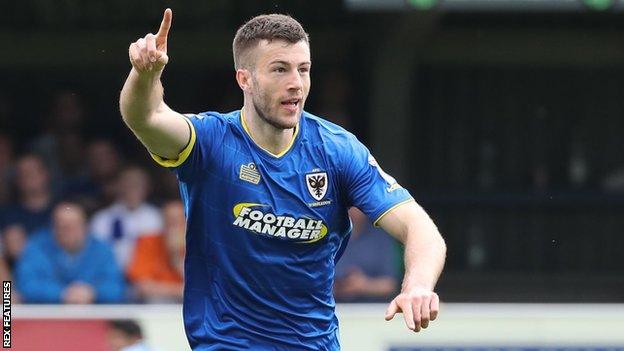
x=317, y=184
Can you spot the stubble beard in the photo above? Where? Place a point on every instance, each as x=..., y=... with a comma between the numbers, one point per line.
x=273, y=122
x=263, y=111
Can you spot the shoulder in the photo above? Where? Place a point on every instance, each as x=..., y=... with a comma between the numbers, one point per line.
x=318, y=124
x=100, y=221
x=212, y=118
x=98, y=246
x=39, y=245
x=149, y=210
x=329, y=134
x=42, y=240
x=211, y=128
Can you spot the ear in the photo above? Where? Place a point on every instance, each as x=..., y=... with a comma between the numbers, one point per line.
x=243, y=78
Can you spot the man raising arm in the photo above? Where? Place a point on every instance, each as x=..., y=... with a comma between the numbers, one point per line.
x=163, y=131
x=266, y=189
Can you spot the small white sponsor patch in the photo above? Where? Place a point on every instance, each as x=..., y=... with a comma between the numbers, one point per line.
x=249, y=173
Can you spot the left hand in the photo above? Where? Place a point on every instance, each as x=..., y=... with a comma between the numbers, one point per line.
x=418, y=305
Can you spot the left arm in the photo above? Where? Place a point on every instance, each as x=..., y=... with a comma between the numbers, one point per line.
x=425, y=252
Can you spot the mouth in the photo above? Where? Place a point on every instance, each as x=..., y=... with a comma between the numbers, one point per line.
x=291, y=103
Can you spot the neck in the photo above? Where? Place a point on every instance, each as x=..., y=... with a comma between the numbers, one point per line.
x=268, y=137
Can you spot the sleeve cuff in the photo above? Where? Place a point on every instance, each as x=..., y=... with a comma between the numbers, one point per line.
x=376, y=222
x=184, y=154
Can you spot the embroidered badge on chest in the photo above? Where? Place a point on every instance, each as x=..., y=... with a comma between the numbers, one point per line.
x=317, y=184
x=249, y=173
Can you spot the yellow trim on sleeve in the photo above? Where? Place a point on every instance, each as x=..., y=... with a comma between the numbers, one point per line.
x=184, y=154
x=292, y=141
x=376, y=223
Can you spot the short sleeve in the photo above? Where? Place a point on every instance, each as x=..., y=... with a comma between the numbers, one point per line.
x=184, y=154
x=368, y=187
x=206, y=132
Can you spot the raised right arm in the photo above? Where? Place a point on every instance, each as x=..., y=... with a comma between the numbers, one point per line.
x=163, y=131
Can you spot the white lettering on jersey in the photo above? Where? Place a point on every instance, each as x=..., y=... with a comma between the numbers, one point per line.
x=254, y=218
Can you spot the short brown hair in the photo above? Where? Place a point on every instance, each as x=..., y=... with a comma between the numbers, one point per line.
x=267, y=27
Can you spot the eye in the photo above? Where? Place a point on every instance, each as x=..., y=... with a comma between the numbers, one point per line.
x=279, y=69
x=304, y=69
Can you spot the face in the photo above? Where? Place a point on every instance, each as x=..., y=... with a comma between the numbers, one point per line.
x=69, y=227
x=31, y=175
x=103, y=160
x=279, y=82
x=133, y=187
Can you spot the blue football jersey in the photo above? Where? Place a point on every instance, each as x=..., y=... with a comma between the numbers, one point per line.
x=265, y=231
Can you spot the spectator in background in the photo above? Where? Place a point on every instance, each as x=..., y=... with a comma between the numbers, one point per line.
x=157, y=267
x=129, y=217
x=367, y=271
x=61, y=142
x=104, y=164
x=34, y=195
x=68, y=265
x=96, y=187
x=126, y=335
x=167, y=184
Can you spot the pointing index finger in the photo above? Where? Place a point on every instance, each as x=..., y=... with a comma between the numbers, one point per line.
x=163, y=31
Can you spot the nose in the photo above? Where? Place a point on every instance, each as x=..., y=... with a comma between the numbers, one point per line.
x=295, y=81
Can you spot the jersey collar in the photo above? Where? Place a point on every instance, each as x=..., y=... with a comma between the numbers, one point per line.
x=290, y=145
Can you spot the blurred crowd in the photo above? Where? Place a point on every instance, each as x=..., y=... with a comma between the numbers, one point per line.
x=80, y=223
